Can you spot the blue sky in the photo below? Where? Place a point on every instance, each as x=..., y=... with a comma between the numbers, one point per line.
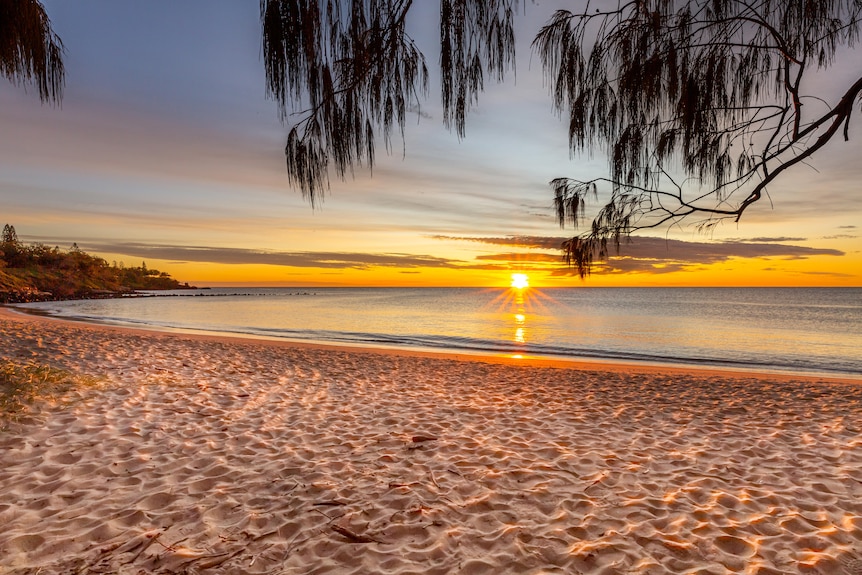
x=166, y=149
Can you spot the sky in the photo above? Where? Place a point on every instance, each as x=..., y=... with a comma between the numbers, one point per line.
x=166, y=150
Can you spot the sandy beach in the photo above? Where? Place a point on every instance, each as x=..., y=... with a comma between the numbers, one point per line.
x=216, y=455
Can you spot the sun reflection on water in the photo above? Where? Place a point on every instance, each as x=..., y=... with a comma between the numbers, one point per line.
x=523, y=302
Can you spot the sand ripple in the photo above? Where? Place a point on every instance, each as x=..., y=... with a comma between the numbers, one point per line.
x=204, y=456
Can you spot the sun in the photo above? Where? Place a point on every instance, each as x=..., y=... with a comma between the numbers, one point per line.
x=520, y=281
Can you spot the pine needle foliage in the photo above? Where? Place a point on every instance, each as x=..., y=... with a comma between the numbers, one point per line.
x=699, y=105
x=350, y=71
x=30, y=51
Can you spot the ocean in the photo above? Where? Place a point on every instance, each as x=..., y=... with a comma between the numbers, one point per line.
x=795, y=330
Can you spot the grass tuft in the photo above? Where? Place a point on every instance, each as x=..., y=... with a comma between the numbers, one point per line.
x=23, y=385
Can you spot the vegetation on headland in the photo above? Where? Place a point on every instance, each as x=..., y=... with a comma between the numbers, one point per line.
x=38, y=272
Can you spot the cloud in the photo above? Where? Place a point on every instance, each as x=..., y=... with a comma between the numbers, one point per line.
x=651, y=254
x=539, y=242
x=618, y=266
x=669, y=249
x=336, y=260
x=517, y=257
x=830, y=274
x=662, y=256
x=765, y=240
x=642, y=254
x=711, y=252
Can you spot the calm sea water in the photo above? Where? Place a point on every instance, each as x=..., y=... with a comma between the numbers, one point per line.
x=784, y=329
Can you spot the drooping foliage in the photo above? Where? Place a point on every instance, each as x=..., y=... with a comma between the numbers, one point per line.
x=700, y=105
x=30, y=51
x=350, y=71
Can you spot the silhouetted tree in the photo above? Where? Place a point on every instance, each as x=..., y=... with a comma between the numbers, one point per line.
x=698, y=104
x=30, y=51
x=11, y=249
x=9, y=236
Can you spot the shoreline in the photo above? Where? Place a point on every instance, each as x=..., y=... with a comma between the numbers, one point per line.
x=203, y=454
x=616, y=366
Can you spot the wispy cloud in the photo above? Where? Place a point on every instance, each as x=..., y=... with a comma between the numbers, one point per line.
x=650, y=254
x=765, y=240
x=662, y=248
x=541, y=242
x=662, y=256
x=517, y=257
x=832, y=274
x=336, y=260
x=711, y=252
x=641, y=255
